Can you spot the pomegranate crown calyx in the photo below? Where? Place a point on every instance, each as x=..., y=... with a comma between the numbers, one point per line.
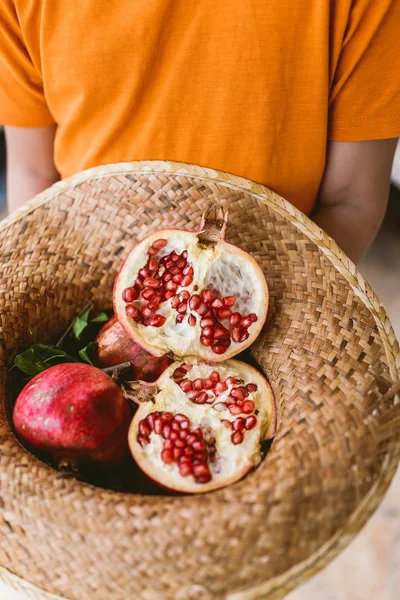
x=213, y=224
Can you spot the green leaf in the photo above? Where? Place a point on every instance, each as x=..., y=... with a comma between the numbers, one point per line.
x=39, y=357
x=100, y=318
x=81, y=323
x=88, y=352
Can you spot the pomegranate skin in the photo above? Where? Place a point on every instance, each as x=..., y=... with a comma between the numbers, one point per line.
x=115, y=346
x=76, y=412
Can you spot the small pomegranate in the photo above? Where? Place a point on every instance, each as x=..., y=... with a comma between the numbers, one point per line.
x=200, y=426
x=75, y=412
x=192, y=294
x=115, y=346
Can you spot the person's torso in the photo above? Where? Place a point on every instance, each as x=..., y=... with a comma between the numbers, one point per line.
x=236, y=85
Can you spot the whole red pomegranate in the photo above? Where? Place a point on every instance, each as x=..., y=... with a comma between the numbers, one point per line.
x=200, y=426
x=75, y=412
x=115, y=346
x=192, y=294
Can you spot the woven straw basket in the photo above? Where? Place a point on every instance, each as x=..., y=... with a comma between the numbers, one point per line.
x=328, y=349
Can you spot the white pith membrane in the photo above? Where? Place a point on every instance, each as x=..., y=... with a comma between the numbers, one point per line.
x=224, y=268
x=227, y=462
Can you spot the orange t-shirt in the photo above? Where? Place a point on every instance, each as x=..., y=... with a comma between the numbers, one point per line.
x=252, y=87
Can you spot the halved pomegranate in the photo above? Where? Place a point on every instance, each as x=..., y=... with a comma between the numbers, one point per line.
x=115, y=346
x=192, y=294
x=201, y=425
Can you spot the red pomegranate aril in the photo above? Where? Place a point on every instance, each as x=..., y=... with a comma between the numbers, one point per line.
x=181, y=419
x=147, y=312
x=217, y=303
x=253, y=317
x=166, y=431
x=251, y=422
x=207, y=322
x=152, y=251
x=251, y=387
x=171, y=286
x=177, y=278
x=239, y=424
x=220, y=387
x=167, y=456
x=147, y=293
x=237, y=438
x=201, y=398
x=248, y=406
x=202, y=308
x=192, y=395
x=198, y=384
x=244, y=336
x=129, y=294
x=191, y=439
x=143, y=273
x=220, y=332
x=143, y=440
x=158, y=425
x=217, y=349
x=132, y=311
x=168, y=444
x=157, y=321
x=245, y=322
x=186, y=385
x=208, y=332
x=201, y=473
x=235, y=319
x=168, y=416
x=187, y=280
x=184, y=296
x=234, y=409
x=188, y=270
x=226, y=423
x=236, y=334
x=192, y=320
x=206, y=341
x=174, y=256
x=181, y=264
x=202, y=456
x=239, y=393
x=167, y=276
x=214, y=376
x=175, y=426
x=159, y=244
x=153, y=264
x=185, y=469
x=194, y=301
x=138, y=286
x=231, y=381
x=169, y=295
x=188, y=452
x=180, y=443
x=177, y=452
x=223, y=313
x=179, y=373
x=229, y=301
x=208, y=383
x=207, y=296
x=179, y=318
x=184, y=254
x=182, y=308
x=144, y=429
x=175, y=302
x=151, y=282
x=199, y=445
x=151, y=420
x=155, y=301
x=169, y=264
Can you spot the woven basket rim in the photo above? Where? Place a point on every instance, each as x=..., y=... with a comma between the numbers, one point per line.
x=339, y=261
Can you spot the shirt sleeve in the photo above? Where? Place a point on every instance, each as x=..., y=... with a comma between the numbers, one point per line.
x=22, y=99
x=364, y=101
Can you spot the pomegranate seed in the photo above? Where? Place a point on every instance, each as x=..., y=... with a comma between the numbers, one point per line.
x=234, y=409
x=150, y=420
x=155, y=301
x=132, y=311
x=167, y=276
x=251, y=387
x=229, y=301
x=138, y=286
x=151, y=282
x=237, y=334
x=207, y=296
x=188, y=270
x=179, y=318
x=220, y=387
x=198, y=445
x=169, y=295
x=253, y=317
x=158, y=426
x=201, y=473
x=153, y=265
x=187, y=280
x=142, y=440
x=208, y=332
x=186, y=385
x=245, y=322
x=188, y=452
x=175, y=302
x=181, y=264
x=143, y=273
x=177, y=278
x=175, y=426
x=161, y=243
x=198, y=384
x=202, y=456
x=208, y=383
x=184, y=296
x=191, y=439
x=168, y=416
x=169, y=264
x=157, y=321
x=218, y=349
x=226, y=423
x=152, y=251
x=220, y=332
x=184, y=254
x=234, y=319
x=251, y=422
x=237, y=437
x=214, y=376
x=182, y=308
x=201, y=398
x=223, y=313
x=210, y=398
x=144, y=429
x=244, y=336
x=147, y=312
x=206, y=341
x=202, y=309
x=217, y=303
x=207, y=322
x=178, y=373
x=203, y=478
x=129, y=294
x=230, y=400
x=186, y=367
x=248, y=407
x=239, y=424
x=192, y=395
x=168, y=444
x=171, y=286
x=185, y=469
x=167, y=456
x=177, y=452
x=239, y=393
x=184, y=426
x=166, y=431
x=147, y=293
x=181, y=418
x=194, y=301
x=180, y=443
x=192, y=320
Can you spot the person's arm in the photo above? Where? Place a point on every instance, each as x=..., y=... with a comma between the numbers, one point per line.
x=30, y=163
x=354, y=193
